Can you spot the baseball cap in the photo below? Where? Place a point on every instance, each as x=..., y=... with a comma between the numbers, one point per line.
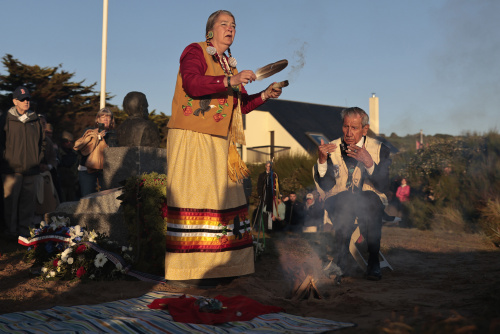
x=67, y=136
x=309, y=196
x=21, y=93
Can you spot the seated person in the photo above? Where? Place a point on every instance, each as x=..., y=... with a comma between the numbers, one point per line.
x=294, y=213
x=278, y=215
x=313, y=214
x=353, y=172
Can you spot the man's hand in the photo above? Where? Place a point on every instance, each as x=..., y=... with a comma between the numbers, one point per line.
x=324, y=150
x=360, y=154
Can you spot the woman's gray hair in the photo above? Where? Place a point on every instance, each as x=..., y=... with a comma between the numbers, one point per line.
x=213, y=17
x=355, y=111
x=105, y=111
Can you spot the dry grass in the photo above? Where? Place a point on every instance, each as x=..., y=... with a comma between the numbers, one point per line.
x=490, y=220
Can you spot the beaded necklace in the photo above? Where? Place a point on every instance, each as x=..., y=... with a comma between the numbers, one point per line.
x=224, y=63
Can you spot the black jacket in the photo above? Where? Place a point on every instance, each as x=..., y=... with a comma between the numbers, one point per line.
x=22, y=143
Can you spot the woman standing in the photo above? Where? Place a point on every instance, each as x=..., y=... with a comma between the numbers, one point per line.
x=208, y=229
x=403, y=192
x=91, y=147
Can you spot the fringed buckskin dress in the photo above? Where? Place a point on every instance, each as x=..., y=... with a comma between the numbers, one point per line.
x=208, y=230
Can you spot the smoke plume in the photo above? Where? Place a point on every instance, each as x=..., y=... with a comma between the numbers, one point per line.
x=298, y=61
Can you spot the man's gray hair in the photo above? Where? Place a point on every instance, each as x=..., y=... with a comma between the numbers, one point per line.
x=355, y=111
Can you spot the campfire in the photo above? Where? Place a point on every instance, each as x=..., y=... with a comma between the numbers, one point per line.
x=307, y=289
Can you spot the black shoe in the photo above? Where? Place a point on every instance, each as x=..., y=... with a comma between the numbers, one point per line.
x=373, y=272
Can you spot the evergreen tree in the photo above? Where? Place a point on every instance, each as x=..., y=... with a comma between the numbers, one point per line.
x=69, y=105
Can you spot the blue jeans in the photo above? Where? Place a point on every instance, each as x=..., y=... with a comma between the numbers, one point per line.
x=88, y=182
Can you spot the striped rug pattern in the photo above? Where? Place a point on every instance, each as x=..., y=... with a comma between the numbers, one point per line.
x=133, y=316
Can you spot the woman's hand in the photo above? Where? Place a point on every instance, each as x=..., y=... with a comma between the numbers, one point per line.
x=271, y=93
x=243, y=77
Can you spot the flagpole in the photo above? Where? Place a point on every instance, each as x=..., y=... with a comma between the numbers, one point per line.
x=104, y=51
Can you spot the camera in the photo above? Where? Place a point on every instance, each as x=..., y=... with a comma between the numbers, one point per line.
x=100, y=127
x=343, y=148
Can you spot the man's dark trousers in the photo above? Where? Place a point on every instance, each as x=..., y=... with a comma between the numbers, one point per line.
x=343, y=209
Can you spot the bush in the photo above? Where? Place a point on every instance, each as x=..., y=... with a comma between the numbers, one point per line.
x=490, y=220
x=451, y=180
x=144, y=205
x=294, y=173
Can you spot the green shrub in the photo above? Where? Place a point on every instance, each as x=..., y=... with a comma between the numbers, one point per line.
x=144, y=206
x=452, y=179
x=417, y=213
x=294, y=173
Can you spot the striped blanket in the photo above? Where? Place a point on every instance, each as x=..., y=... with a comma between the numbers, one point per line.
x=134, y=316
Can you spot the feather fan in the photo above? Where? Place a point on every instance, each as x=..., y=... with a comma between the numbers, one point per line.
x=273, y=68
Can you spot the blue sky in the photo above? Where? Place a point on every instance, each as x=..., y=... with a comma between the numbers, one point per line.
x=435, y=65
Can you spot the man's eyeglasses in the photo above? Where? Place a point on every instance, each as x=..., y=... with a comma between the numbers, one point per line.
x=25, y=99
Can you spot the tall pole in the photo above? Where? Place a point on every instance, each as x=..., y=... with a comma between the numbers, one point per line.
x=104, y=51
x=272, y=146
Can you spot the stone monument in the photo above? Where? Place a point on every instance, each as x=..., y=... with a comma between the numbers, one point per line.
x=138, y=152
x=138, y=145
x=137, y=129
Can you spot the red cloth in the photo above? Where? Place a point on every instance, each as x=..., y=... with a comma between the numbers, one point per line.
x=239, y=308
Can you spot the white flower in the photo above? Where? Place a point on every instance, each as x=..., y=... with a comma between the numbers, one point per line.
x=124, y=248
x=65, y=254
x=119, y=266
x=76, y=231
x=100, y=260
x=130, y=248
x=52, y=273
x=59, y=263
x=92, y=276
x=92, y=236
x=70, y=260
x=44, y=270
x=59, y=222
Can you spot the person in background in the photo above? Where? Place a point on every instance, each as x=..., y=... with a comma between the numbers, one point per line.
x=403, y=192
x=90, y=169
x=204, y=169
x=68, y=168
x=294, y=214
x=278, y=215
x=22, y=145
x=51, y=155
x=313, y=214
x=267, y=190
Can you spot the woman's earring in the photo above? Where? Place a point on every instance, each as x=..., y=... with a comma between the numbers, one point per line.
x=210, y=34
x=232, y=61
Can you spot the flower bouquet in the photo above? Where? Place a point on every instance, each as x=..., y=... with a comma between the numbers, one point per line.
x=71, y=252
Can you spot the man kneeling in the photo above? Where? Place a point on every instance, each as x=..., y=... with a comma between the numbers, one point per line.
x=353, y=172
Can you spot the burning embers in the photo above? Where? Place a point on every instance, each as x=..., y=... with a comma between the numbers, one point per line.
x=307, y=289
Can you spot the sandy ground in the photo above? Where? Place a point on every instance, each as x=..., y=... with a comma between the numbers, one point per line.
x=442, y=282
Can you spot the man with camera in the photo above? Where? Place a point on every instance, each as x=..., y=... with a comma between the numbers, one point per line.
x=353, y=173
